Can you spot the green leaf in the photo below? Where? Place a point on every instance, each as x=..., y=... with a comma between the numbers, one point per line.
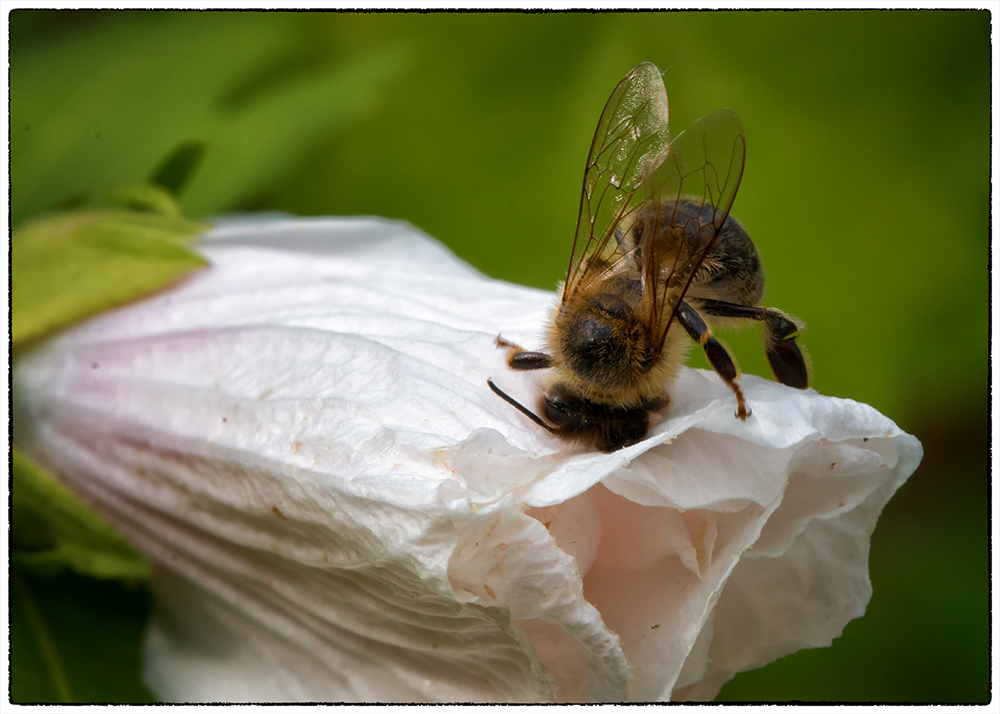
x=179, y=166
x=68, y=267
x=75, y=639
x=52, y=529
x=254, y=146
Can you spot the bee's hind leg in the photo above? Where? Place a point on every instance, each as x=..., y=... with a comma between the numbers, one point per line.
x=521, y=360
x=788, y=363
x=718, y=356
x=787, y=360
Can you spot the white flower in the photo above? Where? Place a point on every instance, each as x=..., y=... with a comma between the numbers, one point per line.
x=302, y=439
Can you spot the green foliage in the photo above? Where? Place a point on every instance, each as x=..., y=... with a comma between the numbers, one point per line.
x=866, y=189
x=70, y=266
x=75, y=639
x=52, y=529
x=84, y=116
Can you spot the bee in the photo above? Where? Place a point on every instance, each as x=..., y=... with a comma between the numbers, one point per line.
x=656, y=261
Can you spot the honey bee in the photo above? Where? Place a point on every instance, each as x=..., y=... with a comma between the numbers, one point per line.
x=655, y=248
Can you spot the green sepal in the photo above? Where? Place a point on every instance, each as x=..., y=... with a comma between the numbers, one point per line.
x=67, y=267
x=52, y=529
x=143, y=198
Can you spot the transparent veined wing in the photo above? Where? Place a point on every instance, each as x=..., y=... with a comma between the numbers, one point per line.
x=687, y=198
x=631, y=139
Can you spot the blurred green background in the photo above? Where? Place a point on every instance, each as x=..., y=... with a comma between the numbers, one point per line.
x=866, y=189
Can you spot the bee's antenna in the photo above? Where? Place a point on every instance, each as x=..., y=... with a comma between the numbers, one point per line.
x=520, y=407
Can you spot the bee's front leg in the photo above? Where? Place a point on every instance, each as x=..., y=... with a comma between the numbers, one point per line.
x=521, y=360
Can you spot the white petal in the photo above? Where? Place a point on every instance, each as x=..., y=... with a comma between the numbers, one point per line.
x=302, y=438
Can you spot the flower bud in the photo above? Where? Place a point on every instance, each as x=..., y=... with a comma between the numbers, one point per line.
x=302, y=439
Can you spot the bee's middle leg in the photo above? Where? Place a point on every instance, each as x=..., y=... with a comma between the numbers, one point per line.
x=522, y=360
x=718, y=356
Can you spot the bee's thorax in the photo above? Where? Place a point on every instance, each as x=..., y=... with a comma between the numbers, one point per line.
x=604, y=342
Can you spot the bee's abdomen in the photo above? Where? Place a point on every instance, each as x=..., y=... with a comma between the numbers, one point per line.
x=732, y=270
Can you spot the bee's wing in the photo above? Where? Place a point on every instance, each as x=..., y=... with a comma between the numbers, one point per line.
x=688, y=198
x=631, y=137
